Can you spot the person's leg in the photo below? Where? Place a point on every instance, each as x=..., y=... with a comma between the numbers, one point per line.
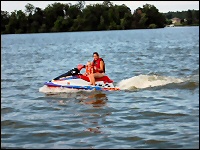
x=98, y=75
x=93, y=76
x=92, y=79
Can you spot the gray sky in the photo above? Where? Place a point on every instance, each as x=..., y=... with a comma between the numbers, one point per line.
x=162, y=6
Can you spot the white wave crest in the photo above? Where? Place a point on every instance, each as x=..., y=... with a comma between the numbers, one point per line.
x=146, y=81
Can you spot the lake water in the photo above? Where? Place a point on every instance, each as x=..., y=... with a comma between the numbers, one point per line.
x=157, y=71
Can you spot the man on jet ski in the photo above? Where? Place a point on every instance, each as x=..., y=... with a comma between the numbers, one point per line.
x=99, y=68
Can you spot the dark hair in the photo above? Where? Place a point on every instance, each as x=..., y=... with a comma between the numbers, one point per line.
x=96, y=53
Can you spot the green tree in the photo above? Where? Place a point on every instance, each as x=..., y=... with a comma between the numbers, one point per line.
x=112, y=26
x=169, y=15
x=67, y=24
x=38, y=15
x=153, y=16
x=168, y=21
x=196, y=17
x=12, y=24
x=36, y=21
x=58, y=24
x=152, y=26
x=29, y=8
x=91, y=17
x=142, y=21
x=51, y=13
x=189, y=17
x=101, y=26
x=136, y=18
x=81, y=5
x=42, y=29
x=4, y=20
x=78, y=24
x=128, y=20
x=74, y=11
x=21, y=22
x=107, y=3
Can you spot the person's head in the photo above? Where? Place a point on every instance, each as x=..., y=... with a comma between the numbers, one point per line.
x=89, y=64
x=95, y=55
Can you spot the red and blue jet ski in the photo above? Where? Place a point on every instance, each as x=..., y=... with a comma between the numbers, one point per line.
x=73, y=79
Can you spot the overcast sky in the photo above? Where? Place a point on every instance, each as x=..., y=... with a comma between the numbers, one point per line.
x=162, y=6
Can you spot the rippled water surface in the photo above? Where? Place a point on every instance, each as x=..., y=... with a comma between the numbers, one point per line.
x=157, y=107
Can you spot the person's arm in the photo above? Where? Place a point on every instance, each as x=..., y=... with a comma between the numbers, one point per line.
x=101, y=66
x=85, y=73
x=92, y=69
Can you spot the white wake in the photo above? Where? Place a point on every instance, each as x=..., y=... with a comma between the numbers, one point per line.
x=146, y=81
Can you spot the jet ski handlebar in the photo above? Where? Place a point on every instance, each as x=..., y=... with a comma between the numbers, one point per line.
x=80, y=66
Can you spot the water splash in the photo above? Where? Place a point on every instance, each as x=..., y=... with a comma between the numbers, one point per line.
x=146, y=81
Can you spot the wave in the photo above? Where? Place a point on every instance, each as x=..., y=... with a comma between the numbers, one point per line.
x=190, y=85
x=149, y=81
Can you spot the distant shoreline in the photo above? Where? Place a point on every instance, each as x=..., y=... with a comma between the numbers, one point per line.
x=97, y=31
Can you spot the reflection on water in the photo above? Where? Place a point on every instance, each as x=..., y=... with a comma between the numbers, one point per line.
x=96, y=99
x=91, y=118
x=62, y=95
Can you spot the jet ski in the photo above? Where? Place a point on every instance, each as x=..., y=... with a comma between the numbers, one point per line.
x=73, y=79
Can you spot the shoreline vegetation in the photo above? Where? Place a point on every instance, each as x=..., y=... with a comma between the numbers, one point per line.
x=65, y=17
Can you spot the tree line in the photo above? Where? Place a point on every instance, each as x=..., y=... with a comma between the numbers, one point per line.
x=65, y=17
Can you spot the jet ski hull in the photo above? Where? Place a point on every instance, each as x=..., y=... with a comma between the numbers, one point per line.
x=74, y=80
x=81, y=82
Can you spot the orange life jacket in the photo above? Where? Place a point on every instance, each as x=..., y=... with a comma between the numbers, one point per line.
x=89, y=70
